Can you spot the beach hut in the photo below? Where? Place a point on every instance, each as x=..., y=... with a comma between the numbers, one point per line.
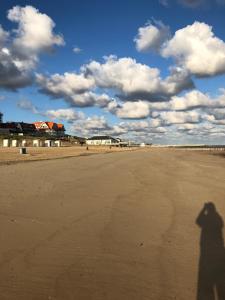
x=5, y=143
x=58, y=143
x=36, y=143
x=24, y=143
x=49, y=143
x=14, y=143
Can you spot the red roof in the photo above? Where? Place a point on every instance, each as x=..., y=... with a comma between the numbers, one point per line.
x=50, y=125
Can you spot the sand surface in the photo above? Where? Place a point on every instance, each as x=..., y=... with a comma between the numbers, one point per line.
x=108, y=226
x=12, y=155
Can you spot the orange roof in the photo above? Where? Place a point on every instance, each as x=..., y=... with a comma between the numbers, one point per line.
x=50, y=125
x=38, y=124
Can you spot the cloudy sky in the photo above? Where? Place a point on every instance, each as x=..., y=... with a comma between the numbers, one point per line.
x=151, y=71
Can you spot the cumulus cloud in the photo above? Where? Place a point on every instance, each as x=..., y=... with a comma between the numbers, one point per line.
x=67, y=84
x=64, y=114
x=130, y=110
x=192, y=100
x=151, y=36
x=67, y=114
x=142, y=126
x=135, y=81
x=12, y=75
x=20, y=48
x=73, y=88
x=136, y=129
x=179, y=117
x=197, y=49
x=205, y=130
x=35, y=31
x=215, y=116
x=91, y=125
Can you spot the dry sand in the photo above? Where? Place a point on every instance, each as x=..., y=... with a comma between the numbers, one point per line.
x=115, y=226
x=12, y=155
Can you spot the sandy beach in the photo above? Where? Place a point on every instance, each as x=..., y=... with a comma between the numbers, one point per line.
x=12, y=155
x=108, y=227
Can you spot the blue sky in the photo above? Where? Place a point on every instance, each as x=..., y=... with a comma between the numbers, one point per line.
x=131, y=108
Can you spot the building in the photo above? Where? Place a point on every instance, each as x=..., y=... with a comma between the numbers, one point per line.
x=20, y=128
x=9, y=128
x=26, y=128
x=102, y=140
x=1, y=117
x=50, y=128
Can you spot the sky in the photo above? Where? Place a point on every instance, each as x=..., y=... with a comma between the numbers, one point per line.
x=148, y=71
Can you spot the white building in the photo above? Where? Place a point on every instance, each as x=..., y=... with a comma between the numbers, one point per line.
x=102, y=140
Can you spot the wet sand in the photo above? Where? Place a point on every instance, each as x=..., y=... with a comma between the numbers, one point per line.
x=115, y=226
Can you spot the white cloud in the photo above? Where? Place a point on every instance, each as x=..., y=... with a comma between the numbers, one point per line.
x=191, y=100
x=197, y=49
x=136, y=81
x=90, y=126
x=99, y=125
x=67, y=114
x=130, y=110
x=77, y=50
x=20, y=48
x=35, y=30
x=74, y=88
x=151, y=36
x=179, y=117
x=67, y=84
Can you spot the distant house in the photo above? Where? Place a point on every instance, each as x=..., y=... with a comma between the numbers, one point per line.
x=103, y=140
x=17, y=128
x=9, y=128
x=50, y=128
x=26, y=128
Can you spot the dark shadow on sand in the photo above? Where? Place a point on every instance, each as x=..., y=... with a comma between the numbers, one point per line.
x=211, y=274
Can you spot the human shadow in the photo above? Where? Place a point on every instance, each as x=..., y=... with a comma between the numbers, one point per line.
x=211, y=273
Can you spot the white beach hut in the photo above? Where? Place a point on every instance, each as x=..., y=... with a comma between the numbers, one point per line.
x=48, y=143
x=14, y=143
x=24, y=143
x=5, y=143
x=58, y=143
x=36, y=143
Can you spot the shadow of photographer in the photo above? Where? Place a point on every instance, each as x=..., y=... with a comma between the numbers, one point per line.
x=211, y=274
